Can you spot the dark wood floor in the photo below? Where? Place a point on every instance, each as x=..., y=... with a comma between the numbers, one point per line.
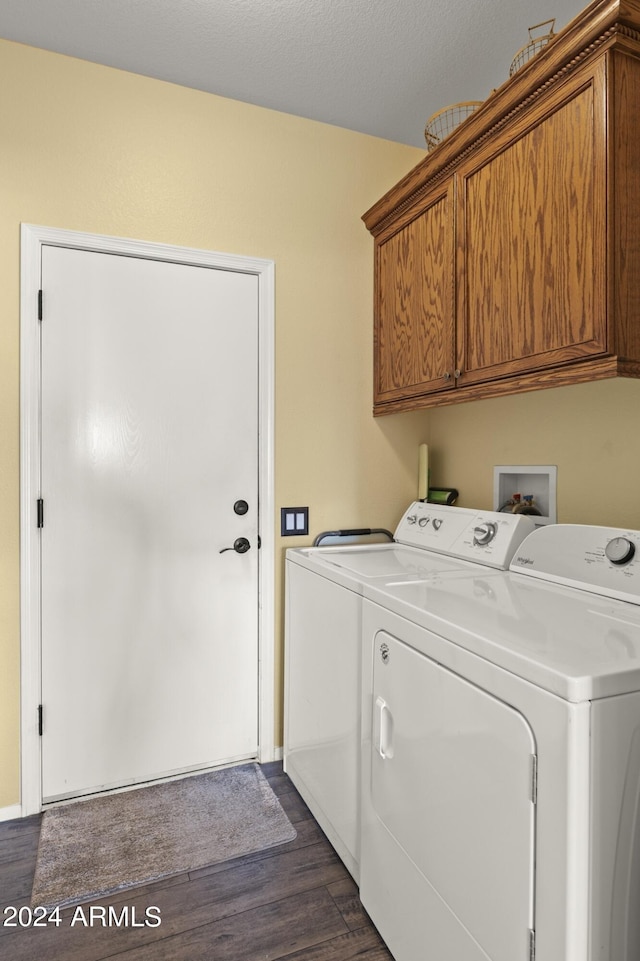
x=296, y=901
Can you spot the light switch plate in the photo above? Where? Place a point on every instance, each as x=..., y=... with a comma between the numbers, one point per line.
x=294, y=521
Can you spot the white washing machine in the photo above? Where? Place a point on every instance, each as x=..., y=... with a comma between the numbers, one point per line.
x=501, y=756
x=323, y=635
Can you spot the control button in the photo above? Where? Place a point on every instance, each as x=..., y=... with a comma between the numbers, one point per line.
x=423, y=521
x=412, y=518
x=620, y=550
x=437, y=523
x=484, y=533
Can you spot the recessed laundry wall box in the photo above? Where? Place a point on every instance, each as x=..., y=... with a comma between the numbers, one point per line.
x=537, y=482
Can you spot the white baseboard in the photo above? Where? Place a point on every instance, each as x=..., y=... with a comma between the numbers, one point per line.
x=11, y=812
x=277, y=753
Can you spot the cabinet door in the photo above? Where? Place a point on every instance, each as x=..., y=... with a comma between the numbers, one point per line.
x=414, y=327
x=532, y=250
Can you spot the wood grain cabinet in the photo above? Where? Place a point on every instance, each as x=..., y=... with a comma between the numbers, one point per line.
x=415, y=273
x=509, y=259
x=532, y=239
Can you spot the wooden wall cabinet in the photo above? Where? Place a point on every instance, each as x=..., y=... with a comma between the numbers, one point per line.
x=509, y=259
x=414, y=350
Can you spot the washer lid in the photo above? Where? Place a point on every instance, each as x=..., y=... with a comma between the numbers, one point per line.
x=430, y=541
x=577, y=645
x=353, y=566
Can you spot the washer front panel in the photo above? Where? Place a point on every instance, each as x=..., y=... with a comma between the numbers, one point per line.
x=451, y=781
x=562, y=737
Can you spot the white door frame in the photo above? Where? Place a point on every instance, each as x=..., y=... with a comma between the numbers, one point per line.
x=33, y=238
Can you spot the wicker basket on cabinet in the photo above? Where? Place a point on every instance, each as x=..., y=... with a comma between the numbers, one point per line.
x=445, y=121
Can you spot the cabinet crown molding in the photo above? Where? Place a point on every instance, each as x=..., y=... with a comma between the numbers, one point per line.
x=602, y=24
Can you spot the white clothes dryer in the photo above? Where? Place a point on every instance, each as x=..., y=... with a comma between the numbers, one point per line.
x=501, y=756
x=323, y=643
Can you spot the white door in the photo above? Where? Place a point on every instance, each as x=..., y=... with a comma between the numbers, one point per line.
x=149, y=437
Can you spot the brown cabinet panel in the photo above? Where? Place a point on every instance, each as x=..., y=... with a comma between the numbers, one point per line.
x=414, y=343
x=532, y=251
x=625, y=227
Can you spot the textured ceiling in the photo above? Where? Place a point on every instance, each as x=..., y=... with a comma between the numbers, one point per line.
x=378, y=66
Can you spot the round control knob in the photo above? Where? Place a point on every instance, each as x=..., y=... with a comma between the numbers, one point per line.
x=484, y=533
x=412, y=518
x=423, y=521
x=620, y=550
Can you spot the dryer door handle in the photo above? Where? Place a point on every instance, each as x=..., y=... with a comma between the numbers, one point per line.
x=383, y=729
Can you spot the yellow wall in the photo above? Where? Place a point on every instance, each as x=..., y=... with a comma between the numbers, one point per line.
x=589, y=431
x=84, y=147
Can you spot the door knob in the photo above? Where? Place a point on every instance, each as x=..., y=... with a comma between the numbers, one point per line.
x=241, y=545
x=241, y=507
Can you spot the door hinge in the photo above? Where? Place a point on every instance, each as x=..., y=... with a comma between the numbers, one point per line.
x=40, y=720
x=532, y=944
x=40, y=512
x=40, y=305
x=534, y=778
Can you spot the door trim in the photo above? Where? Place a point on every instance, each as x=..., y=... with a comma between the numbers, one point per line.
x=33, y=238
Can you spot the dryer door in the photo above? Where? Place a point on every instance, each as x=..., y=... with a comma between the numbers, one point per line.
x=453, y=826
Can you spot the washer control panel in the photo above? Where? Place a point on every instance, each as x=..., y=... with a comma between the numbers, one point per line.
x=600, y=559
x=487, y=537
